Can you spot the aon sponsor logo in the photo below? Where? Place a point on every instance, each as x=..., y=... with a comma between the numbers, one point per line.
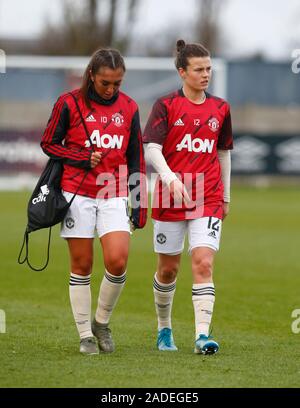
x=195, y=145
x=106, y=140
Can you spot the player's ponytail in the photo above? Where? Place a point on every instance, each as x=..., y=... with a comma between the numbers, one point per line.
x=180, y=45
x=186, y=51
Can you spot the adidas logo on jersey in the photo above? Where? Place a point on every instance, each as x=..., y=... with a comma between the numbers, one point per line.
x=212, y=234
x=90, y=119
x=179, y=122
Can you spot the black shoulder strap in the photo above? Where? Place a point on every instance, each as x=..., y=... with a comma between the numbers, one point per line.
x=82, y=120
x=26, y=258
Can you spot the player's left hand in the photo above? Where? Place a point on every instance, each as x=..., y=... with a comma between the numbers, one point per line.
x=225, y=210
x=132, y=226
x=95, y=159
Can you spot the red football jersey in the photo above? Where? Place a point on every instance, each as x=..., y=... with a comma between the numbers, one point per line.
x=190, y=135
x=114, y=129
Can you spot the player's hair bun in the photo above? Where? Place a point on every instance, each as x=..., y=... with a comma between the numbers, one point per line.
x=180, y=45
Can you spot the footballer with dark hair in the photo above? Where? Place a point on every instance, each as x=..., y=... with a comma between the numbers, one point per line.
x=112, y=153
x=188, y=140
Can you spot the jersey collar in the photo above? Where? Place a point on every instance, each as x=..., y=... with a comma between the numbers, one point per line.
x=180, y=93
x=92, y=94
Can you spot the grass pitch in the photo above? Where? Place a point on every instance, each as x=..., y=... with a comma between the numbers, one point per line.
x=257, y=287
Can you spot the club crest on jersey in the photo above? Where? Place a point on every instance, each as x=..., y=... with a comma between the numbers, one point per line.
x=118, y=119
x=214, y=124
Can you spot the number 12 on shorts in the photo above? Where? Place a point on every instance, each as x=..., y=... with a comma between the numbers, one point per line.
x=213, y=223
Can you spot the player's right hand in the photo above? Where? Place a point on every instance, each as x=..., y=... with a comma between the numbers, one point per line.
x=95, y=159
x=179, y=193
x=225, y=210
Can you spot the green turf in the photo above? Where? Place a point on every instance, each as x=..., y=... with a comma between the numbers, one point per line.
x=257, y=284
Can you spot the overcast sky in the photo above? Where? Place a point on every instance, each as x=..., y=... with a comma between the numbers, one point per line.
x=249, y=26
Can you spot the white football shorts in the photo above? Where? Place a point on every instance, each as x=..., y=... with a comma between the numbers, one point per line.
x=87, y=215
x=202, y=232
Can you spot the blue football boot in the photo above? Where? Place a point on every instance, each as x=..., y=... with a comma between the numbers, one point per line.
x=165, y=340
x=205, y=345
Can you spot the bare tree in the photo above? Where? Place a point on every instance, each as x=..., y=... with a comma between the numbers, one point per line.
x=83, y=31
x=92, y=22
x=207, y=28
x=125, y=39
x=109, y=31
x=93, y=6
